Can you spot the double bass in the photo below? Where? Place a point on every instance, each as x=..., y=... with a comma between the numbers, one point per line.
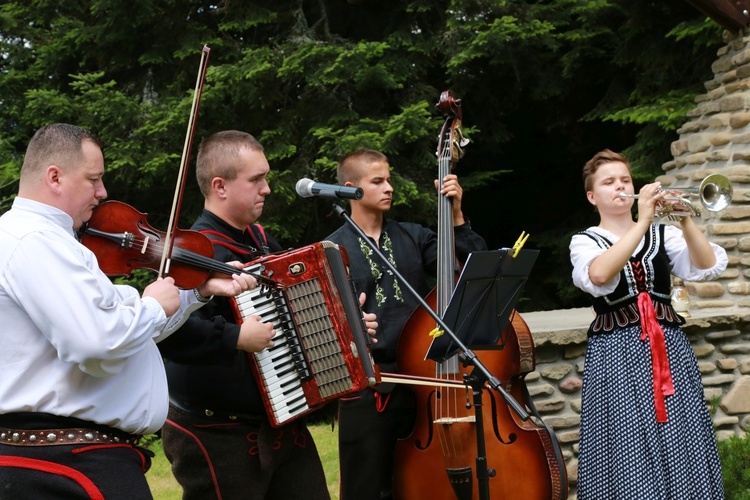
x=523, y=458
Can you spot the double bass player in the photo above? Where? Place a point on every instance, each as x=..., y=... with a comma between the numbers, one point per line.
x=372, y=421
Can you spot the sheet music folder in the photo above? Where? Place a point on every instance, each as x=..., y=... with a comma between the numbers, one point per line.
x=487, y=292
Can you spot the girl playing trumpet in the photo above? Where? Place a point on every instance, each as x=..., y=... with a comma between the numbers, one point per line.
x=645, y=428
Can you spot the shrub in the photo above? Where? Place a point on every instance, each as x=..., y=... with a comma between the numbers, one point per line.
x=735, y=462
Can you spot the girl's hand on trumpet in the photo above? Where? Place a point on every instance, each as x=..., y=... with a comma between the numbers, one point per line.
x=650, y=197
x=654, y=201
x=675, y=206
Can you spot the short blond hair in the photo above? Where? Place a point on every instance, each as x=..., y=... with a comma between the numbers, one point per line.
x=353, y=166
x=218, y=156
x=55, y=144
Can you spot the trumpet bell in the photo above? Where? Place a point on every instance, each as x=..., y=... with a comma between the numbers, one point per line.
x=715, y=192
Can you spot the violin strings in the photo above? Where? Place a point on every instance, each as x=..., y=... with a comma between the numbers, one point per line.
x=187, y=256
x=197, y=260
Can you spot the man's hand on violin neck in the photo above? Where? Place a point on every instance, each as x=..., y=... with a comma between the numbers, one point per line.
x=221, y=284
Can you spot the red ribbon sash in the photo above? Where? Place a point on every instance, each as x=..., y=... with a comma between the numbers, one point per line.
x=651, y=330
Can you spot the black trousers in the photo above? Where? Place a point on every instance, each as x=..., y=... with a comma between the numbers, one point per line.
x=370, y=423
x=71, y=472
x=221, y=459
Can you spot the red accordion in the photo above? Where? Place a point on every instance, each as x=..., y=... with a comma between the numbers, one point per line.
x=320, y=350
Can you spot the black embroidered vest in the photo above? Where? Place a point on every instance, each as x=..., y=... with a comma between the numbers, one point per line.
x=648, y=271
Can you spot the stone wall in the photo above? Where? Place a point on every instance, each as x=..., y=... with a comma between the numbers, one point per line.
x=716, y=139
x=721, y=342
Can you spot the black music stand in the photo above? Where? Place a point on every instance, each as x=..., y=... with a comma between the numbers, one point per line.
x=484, y=298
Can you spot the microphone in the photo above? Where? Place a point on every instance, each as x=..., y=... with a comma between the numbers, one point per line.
x=307, y=188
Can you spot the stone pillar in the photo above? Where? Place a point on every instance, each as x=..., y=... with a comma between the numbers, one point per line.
x=716, y=139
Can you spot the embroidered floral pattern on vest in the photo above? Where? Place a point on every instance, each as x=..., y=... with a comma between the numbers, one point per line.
x=387, y=251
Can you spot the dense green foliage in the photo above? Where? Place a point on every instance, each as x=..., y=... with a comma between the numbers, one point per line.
x=544, y=84
x=735, y=465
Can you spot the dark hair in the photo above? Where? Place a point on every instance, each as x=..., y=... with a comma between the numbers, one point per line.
x=599, y=159
x=351, y=166
x=218, y=156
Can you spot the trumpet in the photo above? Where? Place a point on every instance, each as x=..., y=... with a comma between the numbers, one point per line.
x=715, y=194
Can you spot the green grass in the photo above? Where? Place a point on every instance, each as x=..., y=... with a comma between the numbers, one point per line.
x=164, y=487
x=735, y=467
x=734, y=453
x=160, y=479
x=327, y=442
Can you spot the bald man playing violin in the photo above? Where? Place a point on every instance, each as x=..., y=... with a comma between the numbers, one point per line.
x=81, y=377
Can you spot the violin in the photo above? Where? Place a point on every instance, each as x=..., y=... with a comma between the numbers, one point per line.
x=123, y=240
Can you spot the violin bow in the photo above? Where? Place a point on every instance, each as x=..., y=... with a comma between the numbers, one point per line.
x=180, y=188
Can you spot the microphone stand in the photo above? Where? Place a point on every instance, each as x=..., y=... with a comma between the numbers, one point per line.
x=476, y=379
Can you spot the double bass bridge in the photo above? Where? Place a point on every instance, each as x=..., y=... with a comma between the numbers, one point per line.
x=469, y=419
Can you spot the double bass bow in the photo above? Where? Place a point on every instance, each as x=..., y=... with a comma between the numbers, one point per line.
x=517, y=458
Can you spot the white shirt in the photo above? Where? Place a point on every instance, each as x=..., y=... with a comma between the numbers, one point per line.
x=71, y=342
x=584, y=250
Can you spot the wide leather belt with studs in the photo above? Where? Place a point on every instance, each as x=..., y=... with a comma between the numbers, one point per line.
x=50, y=437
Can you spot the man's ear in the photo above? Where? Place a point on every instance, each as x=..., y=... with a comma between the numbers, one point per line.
x=219, y=186
x=53, y=177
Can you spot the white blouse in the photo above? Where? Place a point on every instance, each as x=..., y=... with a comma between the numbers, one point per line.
x=583, y=251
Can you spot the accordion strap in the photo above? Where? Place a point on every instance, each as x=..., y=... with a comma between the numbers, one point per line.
x=260, y=239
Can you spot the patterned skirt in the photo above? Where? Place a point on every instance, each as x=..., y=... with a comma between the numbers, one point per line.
x=624, y=453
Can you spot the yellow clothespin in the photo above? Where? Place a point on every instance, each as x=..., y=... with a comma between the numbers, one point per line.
x=519, y=243
x=436, y=332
